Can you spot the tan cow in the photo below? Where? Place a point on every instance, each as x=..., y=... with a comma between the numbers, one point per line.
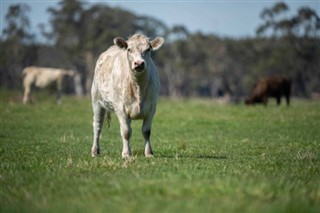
x=126, y=82
x=42, y=77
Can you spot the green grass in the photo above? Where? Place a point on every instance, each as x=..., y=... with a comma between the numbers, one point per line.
x=208, y=158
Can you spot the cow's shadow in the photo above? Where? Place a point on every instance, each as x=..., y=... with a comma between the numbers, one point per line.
x=185, y=156
x=177, y=155
x=214, y=157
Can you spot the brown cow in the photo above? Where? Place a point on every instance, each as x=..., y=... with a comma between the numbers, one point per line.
x=270, y=87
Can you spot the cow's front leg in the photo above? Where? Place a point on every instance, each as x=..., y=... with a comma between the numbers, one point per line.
x=125, y=130
x=146, y=132
x=26, y=94
x=98, y=118
x=265, y=100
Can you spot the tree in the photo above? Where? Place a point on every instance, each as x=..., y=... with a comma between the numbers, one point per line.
x=270, y=16
x=150, y=26
x=18, y=24
x=17, y=42
x=174, y=71
x=66, y=22
x=84, y=32
x=298, y=39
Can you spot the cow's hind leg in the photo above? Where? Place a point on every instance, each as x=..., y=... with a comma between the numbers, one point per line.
x=98, y=119
x=278, y=100
x=146, y=132
x=288, y=99
x=27, y=83
x=287, y=95
x=59, y=91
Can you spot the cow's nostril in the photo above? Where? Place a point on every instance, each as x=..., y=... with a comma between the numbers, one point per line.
x=139, y=64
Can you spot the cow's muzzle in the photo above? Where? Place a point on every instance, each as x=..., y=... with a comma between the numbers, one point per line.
x=139, y=66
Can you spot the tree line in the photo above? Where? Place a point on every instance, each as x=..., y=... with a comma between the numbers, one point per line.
x=190, y=64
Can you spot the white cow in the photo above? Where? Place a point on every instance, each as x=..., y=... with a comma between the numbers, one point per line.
x=42, y=77
x=126, y=82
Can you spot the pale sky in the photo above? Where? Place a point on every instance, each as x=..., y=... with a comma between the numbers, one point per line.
x=232, y=18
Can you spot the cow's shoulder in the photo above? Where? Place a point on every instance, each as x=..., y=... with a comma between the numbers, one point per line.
x=108, y=56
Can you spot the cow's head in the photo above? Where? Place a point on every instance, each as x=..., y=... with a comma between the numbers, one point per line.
x=71, y=73
x=138, y=49
x=254, y=100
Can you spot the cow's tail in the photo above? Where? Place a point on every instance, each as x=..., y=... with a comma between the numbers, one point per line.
x=108, y=119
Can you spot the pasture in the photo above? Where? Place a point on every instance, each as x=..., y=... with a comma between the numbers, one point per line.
x=208, y=158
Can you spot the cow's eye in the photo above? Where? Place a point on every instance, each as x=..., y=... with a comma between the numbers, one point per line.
x=147, y=50
x=129, y=50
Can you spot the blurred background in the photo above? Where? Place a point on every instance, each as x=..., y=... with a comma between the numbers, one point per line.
x=213, y=48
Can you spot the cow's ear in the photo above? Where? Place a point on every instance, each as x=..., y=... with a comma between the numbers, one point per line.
x=156, y=43
x=120, y=42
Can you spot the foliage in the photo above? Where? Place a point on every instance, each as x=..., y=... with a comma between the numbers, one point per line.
x=14, y=54
x=298, y=40
x=208, y=158
x=190, y=64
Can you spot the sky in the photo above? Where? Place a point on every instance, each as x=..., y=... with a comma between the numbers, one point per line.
x=226, y=18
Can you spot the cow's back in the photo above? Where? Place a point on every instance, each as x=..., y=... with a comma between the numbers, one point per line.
x=105, y=58
x=278, y=86
x=46, y=76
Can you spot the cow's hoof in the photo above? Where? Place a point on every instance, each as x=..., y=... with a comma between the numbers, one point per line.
x=94, y=155
x=95, y=152
x=125, y=155
x=149, y=155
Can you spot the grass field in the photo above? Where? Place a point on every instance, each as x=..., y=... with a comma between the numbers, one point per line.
x=208, y=158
